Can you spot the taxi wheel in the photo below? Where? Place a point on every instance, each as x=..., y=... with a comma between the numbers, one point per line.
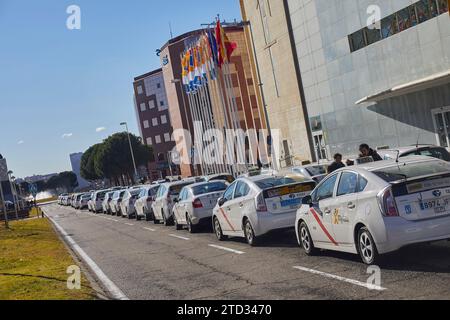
x=191, y=228
x=178, y=227
x=306, y=241
x=218, y=230
x=367, y=247
x=250, y=236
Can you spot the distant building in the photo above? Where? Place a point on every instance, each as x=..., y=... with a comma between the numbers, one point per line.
x=250, y=114
x=75, y=160
x=152, y=112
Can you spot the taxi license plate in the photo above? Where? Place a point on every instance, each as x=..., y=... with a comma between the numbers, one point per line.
x=439, y=206
x=291, y=202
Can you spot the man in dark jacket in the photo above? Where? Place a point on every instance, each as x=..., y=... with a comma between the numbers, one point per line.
x=366, y=151
x=337, y=164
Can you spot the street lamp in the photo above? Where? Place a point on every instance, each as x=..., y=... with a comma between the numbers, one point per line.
x=131, y=149
x=10, y=178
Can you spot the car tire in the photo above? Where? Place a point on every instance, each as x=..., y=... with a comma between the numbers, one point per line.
x=138, y=217
x=306, y=242
x=167, y=222
x=178, y=227
x=218, y=230
x=191, y=227
x=367, y=248
x=249, y=233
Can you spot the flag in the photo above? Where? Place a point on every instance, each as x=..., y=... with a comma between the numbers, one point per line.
x=197, y=66
x=185, y=71
x=225, y=46
x=191, y=75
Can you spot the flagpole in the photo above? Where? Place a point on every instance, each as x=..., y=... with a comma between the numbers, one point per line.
x=194, y=116
x=206, y=108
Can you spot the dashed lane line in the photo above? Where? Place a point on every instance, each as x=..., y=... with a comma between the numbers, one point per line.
x=226, y=249
x=347, y=280
x=150, y=229
x=179, y=237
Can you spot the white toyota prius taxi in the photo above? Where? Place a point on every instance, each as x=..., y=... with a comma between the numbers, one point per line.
x=376, y=208
x=254, y=206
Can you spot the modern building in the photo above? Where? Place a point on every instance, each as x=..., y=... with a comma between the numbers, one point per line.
x=250, y=113
x=152, y=112
x=75, y=160
x=272, y=57
x=375, y=72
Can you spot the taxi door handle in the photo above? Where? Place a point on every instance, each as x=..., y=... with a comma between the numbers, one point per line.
x=241, y=205
x=327, y=211
x=351, y=205
x=228, y=209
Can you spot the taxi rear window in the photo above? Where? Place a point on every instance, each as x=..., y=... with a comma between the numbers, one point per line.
x=274, y=182
x=411, y=171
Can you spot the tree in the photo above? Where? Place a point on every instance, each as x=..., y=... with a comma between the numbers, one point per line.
x=112, y=158
x=87, y=166
x=65, y=180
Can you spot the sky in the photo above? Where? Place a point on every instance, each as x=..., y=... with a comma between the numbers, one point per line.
x=63, y=90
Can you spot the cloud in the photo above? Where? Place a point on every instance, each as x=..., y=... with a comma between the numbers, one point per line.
x=67, y=135
x=21, y=142
x=100, y=129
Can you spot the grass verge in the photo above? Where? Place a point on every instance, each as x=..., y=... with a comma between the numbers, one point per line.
x=33, y=264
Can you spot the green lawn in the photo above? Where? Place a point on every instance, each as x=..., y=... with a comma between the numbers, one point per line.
x=33, y=264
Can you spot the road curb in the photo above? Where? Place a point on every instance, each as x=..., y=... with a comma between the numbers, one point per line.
x=109, y=286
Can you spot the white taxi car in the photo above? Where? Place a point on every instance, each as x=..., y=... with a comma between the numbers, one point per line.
x=254, y=206
x=195, y=204
x=164, y=200
x=378, y=207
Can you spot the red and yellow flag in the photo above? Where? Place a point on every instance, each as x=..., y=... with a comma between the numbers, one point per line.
x=225, y=47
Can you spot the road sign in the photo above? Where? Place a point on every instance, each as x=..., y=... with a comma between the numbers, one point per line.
x=3, y=170
x=33, y=190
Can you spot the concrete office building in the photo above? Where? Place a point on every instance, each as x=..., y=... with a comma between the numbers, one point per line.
x=75, y=160
x=250, y=112
x=388, y=86
x=268, y=34
x=152, y=112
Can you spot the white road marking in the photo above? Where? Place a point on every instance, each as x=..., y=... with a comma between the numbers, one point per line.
x=179, y=237
x=113, y=220
x=129, y=224
x=150, y=229
x=109, y=285
x=226, y=249
x=351, y=281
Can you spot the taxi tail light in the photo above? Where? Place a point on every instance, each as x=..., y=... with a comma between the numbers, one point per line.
x=260, y=203
x=197, y=204
x=387, y=204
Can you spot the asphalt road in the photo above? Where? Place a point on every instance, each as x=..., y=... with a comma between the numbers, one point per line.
x=148, y=261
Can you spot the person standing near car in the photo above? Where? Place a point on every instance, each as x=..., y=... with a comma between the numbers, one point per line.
x=337, y=164
x=366, y=151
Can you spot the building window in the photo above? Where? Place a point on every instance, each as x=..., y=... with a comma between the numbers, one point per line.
x=443, y=6
x=316, y=124
x=399, y=21
x=357, y=40
x=372, y=35
x=146, y=124
x=154, y=122
x=163, y=119
x=158, y=86
x=161, y=103
x=143, y=107
x=140, y=90
x=167, y=137
x=389, y=26
x=158, y=139
x=151, y=104
x=149, y=141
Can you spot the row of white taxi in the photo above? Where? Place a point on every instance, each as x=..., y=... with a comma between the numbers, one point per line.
x=369, y=209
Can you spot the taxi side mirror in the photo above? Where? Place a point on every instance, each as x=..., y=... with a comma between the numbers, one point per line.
x=221, y=201
x=176, y=200
x=307, y=201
